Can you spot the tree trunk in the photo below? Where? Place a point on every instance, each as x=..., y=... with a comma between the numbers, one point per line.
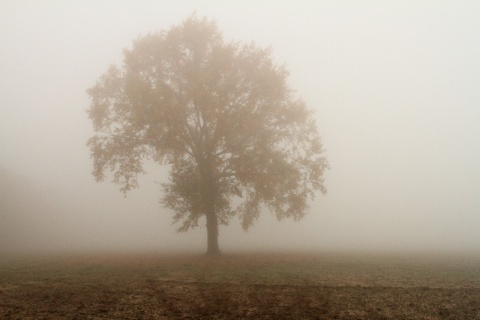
x=212, y=234
x=209, y=196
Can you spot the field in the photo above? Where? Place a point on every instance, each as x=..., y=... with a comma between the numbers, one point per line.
x=240, y=286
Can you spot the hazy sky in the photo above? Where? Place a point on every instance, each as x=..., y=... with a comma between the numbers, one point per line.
x=395, y=86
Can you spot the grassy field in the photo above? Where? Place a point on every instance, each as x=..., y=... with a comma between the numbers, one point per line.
x=240, y=286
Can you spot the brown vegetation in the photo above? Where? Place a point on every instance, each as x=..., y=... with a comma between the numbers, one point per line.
x=256, y=286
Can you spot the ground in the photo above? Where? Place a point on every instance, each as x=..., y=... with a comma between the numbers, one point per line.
x=240, y=286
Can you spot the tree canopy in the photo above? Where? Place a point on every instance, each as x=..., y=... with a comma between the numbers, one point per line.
x=220, y=115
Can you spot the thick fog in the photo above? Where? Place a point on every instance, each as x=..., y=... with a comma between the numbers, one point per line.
x=395, y=86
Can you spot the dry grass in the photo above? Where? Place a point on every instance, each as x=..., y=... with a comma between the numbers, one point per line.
x=245, y=286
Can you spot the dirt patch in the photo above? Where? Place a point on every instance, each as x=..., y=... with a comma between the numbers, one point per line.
x=243, y=286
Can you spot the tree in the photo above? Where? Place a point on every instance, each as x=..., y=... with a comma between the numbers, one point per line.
x=220, y=115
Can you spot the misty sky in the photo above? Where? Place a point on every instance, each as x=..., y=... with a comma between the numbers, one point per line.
x=395, y=86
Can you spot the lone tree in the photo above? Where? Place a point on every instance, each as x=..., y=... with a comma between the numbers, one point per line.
x=220, y=115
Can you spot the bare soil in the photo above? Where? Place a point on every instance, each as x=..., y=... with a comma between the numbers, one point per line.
x=240, y=286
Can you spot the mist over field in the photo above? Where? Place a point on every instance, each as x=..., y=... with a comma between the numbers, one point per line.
x=394, y=86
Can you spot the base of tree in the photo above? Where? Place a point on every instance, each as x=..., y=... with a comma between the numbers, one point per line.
x=213, y=253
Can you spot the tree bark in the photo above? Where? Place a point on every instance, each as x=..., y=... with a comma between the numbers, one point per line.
x=209, y=196
x=212, y=234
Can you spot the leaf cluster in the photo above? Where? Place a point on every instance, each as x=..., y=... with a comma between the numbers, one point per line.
x=220, y=114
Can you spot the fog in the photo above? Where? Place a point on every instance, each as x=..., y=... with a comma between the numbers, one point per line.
x=395, y=87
